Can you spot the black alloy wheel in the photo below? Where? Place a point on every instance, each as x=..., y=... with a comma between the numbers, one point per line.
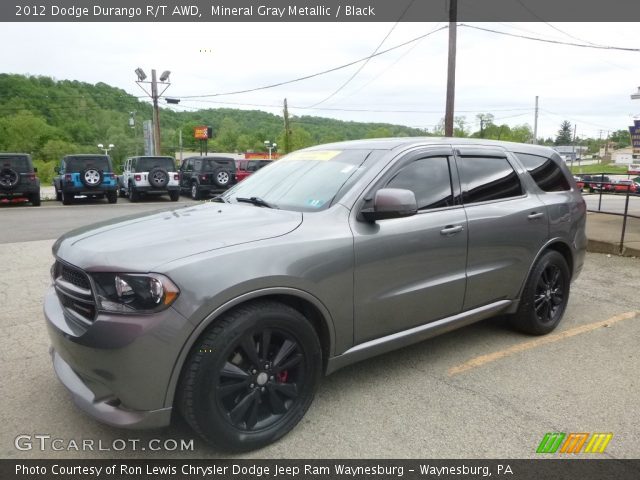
x=251, y=377
x=549, y=296
x=259, y=381
x=545, y=295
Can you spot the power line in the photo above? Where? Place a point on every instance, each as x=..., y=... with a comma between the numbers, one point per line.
x=368, y=59
x=557, y=42
x=324, y=72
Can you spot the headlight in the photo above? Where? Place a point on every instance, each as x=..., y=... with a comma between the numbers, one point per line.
x=134, y=293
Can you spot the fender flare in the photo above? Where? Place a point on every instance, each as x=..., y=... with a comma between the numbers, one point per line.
x=209, y=319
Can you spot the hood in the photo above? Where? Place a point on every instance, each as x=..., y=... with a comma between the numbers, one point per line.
x=141, y=242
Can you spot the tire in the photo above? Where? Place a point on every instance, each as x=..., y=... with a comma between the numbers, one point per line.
x=195, y=191
x=134, y=196
x=9, y=178
x=121, y=192
x=91, y=177
x=545, y=295
x=112, y=197
x=222, y=178
x=35, y=199
x=240, y=400
x=158, y=177
x=67, y=198
x=58, y=195
x=174, y=195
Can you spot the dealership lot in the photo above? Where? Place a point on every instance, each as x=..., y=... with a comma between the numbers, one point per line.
x=482, y=391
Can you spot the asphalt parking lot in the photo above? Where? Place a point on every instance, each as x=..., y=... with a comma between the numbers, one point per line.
x=482, y=391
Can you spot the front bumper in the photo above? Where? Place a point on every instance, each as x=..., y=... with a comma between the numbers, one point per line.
x=119, y=368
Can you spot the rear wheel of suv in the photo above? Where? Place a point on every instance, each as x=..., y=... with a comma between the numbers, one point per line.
x=67, y=198
x=134, y=196
x=174, y=195
x=195, y=191
x=112, y=197
x=221, y=178
x=545, y=295
x=251, y=377
x=35, y=199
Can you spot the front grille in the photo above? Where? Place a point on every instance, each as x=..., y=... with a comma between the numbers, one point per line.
x=76, y=277
x=74, y=292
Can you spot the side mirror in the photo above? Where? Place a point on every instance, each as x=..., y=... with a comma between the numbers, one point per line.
x=56, y=169
x=391, y=203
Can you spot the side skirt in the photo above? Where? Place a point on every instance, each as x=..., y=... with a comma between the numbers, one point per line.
x=397, y=340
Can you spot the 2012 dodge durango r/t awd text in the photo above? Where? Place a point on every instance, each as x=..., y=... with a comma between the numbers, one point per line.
x=229, y=312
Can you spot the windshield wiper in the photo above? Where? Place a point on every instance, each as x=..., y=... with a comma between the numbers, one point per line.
x=257, y=201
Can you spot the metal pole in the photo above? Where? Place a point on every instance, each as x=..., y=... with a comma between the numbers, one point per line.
x=624, y=219
x=451, y=71
x=287, y=132
x=156, y=114
x=535, y=124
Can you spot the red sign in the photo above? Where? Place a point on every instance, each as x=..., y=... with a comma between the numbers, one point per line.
x=201, y=133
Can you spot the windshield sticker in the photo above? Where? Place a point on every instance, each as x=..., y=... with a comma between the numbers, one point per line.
x=315, y=203
x=321, y=155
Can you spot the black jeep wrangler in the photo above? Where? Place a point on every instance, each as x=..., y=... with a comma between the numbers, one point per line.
x=18, y=178
x=201, y=176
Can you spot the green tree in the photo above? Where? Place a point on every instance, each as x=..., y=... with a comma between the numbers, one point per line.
x=565, y=134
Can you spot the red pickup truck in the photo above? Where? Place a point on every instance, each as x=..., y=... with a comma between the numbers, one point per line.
x=244, y=168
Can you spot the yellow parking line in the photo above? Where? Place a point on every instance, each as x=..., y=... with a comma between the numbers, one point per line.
x=538, y=342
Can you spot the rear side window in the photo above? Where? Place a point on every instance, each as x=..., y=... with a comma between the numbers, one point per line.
x=545, y=172
x=429, y=179
x=487, y=178
x=215, y=163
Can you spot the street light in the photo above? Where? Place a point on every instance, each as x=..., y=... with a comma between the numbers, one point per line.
x=270, y=146
x=141, y=75
x=106, y=149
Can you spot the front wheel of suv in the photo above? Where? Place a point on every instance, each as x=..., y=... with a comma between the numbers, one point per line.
x=195, y=191
x=251, y=377
x=545, y=295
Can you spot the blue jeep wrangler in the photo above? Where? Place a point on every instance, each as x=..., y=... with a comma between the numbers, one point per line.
x=88, y=175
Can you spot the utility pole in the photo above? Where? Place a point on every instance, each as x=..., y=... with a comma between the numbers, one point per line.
x=573, y=149
x=180, y=144
x=535, y=124
x=156, y=113
x=451, y=71
x=287, y=131
x=164, y=80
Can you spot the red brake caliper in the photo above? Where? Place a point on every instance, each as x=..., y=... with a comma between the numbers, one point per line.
x=282, y=376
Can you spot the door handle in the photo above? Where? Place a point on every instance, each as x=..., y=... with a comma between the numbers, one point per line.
x=451, y=230
x=535, y=215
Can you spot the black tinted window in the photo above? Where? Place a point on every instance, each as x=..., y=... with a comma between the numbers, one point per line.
x=488, y=178
x=545, y=172
x=215, y=163
x=147, y=163
x=17, y=163
x=430, y=181
x=75, y=164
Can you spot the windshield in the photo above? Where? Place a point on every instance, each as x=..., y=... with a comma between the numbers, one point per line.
x=19, y=164
x=76, y=164
x=146, y=164
x=303, y=181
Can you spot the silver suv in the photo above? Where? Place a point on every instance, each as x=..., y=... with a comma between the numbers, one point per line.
x=230, y=311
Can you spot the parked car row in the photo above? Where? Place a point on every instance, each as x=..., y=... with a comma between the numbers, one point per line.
x=597, y=183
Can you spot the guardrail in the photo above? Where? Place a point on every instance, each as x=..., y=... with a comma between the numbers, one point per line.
x=600, y=183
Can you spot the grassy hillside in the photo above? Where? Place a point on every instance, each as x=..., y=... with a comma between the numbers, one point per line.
x=50, y=118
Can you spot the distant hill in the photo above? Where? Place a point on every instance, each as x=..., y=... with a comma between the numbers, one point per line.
x=50, y=118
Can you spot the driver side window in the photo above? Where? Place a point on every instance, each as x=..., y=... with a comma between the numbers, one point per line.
x=429, y=179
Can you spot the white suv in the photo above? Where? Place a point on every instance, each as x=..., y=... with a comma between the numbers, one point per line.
x=149, y=176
